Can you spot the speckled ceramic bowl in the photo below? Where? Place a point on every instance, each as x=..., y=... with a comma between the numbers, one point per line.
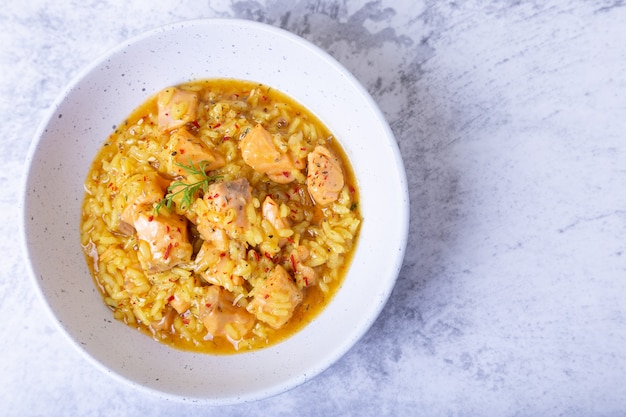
x=101, y=97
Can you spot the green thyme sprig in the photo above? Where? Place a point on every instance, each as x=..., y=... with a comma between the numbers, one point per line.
x=187, y=190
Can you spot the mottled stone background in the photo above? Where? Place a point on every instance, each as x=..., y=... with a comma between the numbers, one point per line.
x=511, y=119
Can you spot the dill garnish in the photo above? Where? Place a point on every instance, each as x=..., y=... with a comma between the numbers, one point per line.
x=188, y=190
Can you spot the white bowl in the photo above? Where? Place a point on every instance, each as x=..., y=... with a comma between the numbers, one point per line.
x=101, y=97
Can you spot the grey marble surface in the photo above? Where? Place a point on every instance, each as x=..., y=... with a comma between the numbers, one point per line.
x=511, y=118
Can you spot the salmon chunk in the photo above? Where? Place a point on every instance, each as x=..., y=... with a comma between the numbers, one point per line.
x=260, y=152
x=276, y=298
x=179, y=303
x=176, y=107
x=271, y=212
x=184, y=148
x=227, y=195
x=305, y=275
x=325, y=176
x=166, y=321
x=216, y=267
x=167, y=239
x=215, y=235
x=222, y=317
x=166, y=236
x=141, y=190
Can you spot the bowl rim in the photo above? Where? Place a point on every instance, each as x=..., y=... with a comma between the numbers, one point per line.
x=402, y=212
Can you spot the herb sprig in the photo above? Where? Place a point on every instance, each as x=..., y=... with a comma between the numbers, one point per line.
x=187, y=190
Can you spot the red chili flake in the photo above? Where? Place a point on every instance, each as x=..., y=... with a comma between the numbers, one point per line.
x=170, y=298
x=256, y=255
x=267, y=296
x=351, y=188
x=167, y=228
x=186, y=321
x=208, y=305
x=303, y=149
x=217, y=125
x=236, y=126
x=181, y=151
x=222, y=254
x=293, y=262
x=290, y=240
x=196, y=124
x=150, y=218
x=226, y=138
x=306, y=282
x=216, y=195
x=268, y=256
x=264, y=98
x=167, y=251
x=266, y=269
x=286, y=174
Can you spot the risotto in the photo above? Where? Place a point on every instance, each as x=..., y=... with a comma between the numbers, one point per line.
x=219, y=217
